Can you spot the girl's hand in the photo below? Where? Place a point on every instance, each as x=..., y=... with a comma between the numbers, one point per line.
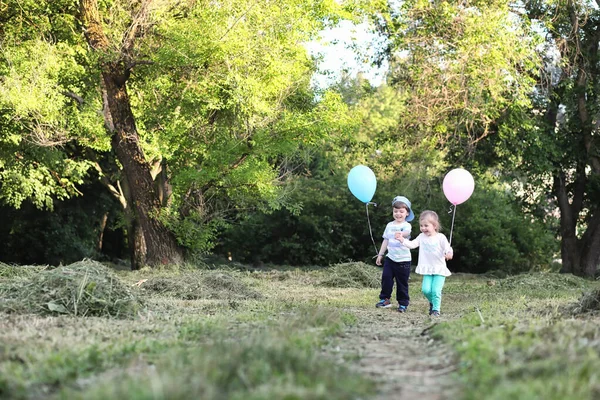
x=398, y=236
x=448, y=256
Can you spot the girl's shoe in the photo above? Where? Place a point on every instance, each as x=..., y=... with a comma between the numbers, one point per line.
x=430, y=308
x=435, y=313
x=402, y=308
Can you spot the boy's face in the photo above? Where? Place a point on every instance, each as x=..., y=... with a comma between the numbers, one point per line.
x=400, y=214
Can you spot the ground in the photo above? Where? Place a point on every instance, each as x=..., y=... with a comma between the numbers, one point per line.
x=396, y=351
x=229, y=332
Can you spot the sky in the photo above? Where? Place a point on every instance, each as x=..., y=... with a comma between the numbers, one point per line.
x=335, y=48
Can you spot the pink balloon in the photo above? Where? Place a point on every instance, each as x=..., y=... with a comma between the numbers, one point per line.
x=458, y=186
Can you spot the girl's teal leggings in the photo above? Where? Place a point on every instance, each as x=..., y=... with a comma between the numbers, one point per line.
x=432, y=289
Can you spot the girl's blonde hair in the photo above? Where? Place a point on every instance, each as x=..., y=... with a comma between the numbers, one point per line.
x=432, y=217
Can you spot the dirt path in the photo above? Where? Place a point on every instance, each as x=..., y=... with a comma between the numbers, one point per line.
x=395, y=350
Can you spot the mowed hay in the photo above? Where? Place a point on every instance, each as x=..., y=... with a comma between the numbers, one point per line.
x=354, y=275
x=588, y=303
x=201, y=285
x=19, y=271
x=85, y=288
x=537, y=281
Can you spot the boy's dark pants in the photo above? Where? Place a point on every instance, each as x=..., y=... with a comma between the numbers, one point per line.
x=400, y=271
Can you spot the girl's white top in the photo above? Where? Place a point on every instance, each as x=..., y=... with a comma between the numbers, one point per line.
x=396, y=251
x=431, y=254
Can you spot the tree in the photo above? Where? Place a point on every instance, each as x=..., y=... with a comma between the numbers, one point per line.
x=200, y=102
x=560, y=153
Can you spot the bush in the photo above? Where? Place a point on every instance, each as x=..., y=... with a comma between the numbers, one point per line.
x=491, y=232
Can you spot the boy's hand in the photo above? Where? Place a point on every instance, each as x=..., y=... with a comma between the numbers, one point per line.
x=378, y=261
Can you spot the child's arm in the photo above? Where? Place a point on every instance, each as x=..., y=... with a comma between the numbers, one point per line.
x=382, y=250
x=448, y=252
x=411, y=244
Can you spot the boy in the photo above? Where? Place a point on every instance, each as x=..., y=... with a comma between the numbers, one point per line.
x=397, y=262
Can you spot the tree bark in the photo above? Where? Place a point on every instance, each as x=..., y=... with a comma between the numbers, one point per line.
x=103, y=222
x=568, y=244
x=160, y=244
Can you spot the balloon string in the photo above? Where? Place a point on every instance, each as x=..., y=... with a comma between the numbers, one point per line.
x=369, y=222
x=453, y=211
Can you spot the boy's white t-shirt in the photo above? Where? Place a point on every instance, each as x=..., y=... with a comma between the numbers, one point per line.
x=396, y=251
x=432, y=251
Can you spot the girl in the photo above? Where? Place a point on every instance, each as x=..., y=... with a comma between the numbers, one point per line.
x=435, y=250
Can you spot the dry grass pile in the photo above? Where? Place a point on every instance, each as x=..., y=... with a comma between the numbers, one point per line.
x=588, y=303
x=19, y=271
x=85, y=288
x=201, y=285
x=353, y=275
x=541, y=281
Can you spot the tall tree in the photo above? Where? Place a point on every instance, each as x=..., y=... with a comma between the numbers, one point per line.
x=561, y=153
x=200, y=101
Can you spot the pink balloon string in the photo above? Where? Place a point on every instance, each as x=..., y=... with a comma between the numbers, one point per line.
x=453, y=212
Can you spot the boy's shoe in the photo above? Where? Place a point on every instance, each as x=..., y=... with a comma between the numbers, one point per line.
x=402, y=308
x=435, y=313
x=384, y=303
x=430, y=308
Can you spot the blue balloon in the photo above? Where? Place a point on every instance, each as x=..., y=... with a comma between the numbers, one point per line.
x=362, y=183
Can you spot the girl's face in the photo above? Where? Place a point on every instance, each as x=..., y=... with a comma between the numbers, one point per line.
x=400, y=214
x=428, y=227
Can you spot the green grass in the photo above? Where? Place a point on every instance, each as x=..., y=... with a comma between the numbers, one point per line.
x=209, y=334
x=519, y=341
x=224, y=333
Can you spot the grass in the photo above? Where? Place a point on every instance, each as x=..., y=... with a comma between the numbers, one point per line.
x=522, y=340
x=229, y=333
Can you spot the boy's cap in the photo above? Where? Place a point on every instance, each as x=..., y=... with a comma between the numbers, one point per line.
x=404, y=200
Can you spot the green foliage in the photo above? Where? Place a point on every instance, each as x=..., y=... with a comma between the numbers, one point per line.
x=461, y=68
x=492, y=232
x=40, y=82
x=221, y=96
x=71, y=232
x=332, y=227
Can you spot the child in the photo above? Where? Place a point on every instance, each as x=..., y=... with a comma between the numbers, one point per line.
x=434, y=252
x=397, y=262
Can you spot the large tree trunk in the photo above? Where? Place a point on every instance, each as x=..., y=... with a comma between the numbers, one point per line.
x=590, y=247
x=580, y=256
x=568, y=223
x=160, y=245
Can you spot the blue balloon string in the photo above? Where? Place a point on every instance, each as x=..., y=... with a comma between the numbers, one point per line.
x=369, y=222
